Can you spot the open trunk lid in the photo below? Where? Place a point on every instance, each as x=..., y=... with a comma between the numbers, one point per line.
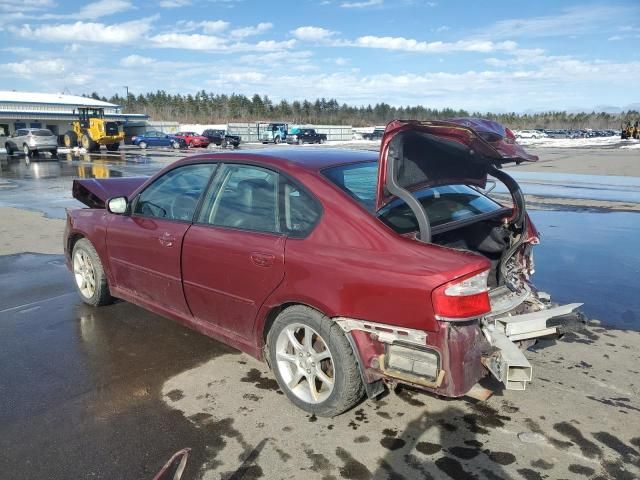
x=420, y=154
x=94, y=192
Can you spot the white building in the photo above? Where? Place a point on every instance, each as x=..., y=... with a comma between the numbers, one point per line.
x=53, y=111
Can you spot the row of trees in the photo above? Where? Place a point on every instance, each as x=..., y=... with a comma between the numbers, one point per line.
x=206, y=107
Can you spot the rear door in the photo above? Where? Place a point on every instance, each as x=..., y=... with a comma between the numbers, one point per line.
x=145, y=247
x=233, y=256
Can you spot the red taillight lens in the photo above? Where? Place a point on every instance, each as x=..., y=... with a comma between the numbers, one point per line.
x=463, y=298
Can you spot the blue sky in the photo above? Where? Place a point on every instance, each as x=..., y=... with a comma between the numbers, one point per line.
x=480, y=56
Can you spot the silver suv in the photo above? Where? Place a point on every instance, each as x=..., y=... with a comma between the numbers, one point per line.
x=31, y=141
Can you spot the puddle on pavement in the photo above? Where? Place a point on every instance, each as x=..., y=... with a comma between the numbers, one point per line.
x=592, y=258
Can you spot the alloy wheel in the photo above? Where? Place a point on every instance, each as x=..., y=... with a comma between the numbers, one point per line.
x=84, y=274
x=305, y=363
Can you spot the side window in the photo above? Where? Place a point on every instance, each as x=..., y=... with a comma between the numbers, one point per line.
x=175, y=195
x=299, y=210
x=244, y=196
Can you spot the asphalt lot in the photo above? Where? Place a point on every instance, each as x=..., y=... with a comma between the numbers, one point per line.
x=113, y=392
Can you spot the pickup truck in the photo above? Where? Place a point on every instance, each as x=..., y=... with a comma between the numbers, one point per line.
x=305, y=135
x=375, y=135
x=221, y=139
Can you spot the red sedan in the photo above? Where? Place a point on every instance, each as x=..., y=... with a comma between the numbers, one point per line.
x=193, y=139
x=346, y=271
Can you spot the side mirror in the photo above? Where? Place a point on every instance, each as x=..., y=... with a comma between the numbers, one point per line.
x=117, y=205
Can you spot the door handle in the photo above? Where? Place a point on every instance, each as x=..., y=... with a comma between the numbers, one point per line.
x=166, y=239
x=262, y=259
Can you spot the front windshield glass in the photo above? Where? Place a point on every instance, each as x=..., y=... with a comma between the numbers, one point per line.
x=443, y=204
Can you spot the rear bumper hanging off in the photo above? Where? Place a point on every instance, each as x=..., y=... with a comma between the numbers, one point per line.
x=506, y=360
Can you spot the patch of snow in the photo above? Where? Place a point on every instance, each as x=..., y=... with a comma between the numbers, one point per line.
x=572, y=142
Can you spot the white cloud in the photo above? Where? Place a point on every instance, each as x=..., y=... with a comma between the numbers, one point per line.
x=251, y=31
x=412, y=45
x=26, y=5
x=364, y=4
x=312, y=34
x=174, y=3
x=442, y=28
x=32, y=68
x=135, y=60
x=212, y=43
x=576, y=20
x=206, y=26
x=121, y=33
x=103, y=8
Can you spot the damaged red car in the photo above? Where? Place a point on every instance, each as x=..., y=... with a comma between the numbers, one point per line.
x=347, y=271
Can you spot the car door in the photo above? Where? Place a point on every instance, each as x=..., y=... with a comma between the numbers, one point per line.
x=152, y=139
x=233, y=255
x=144, y=247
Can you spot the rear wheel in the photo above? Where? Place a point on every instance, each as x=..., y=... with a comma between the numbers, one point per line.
x=276, y=140
x=70, y=139
x=91, y=281
x=7, y=147
x=113, y=147
x=313, y=362
x=175, y=145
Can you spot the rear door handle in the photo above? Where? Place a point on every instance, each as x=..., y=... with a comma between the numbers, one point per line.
x=262, y=259
x=166, y=239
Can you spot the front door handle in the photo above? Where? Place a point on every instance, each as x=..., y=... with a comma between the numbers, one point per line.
x=262, y=259
x=166, y=239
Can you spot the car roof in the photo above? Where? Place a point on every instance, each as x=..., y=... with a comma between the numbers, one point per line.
x=312, y=159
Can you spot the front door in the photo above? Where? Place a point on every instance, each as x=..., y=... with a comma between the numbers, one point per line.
x=233, y=256
x=145, y=246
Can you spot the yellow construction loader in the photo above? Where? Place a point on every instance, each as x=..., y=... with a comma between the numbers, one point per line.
x=91, y=130
x=630, y=130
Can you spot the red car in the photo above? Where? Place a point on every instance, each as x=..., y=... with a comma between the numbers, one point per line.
x=345, y=271
x=193, y=139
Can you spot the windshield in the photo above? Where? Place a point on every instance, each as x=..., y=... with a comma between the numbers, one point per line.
x=443, y=204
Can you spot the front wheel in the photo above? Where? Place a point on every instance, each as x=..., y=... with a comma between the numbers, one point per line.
x=175, y=145
x=91, y=281
x=27, y=151
x=142, y=145
x=313, y=362
x=7, y=147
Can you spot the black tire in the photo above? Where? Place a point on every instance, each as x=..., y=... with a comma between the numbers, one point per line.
x=88, y=144
x=7, y=147
x=348, y=389
x=175, y=145
x=113, y=147
x=276, y=140
x=28, y=153
x=70, y=139
x=142, y=145
x=101, y=295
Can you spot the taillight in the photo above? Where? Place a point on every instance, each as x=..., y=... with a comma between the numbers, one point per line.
x=463, y=298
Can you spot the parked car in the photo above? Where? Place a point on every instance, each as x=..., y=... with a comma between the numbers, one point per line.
x=305, y=135
x=375, y=135
x=221, y=139
x=346, y=270
x=155, y=138
x=31, y=141
x=193, y=139
x=530, y=134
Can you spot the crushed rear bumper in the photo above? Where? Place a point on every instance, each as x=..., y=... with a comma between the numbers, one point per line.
x=509, y=334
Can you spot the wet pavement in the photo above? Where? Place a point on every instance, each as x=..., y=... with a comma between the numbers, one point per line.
x=112, y=392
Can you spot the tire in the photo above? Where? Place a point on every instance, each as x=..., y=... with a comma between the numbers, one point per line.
x=175, y=145
x=70, y=139
x=340, y=366
x=142, y=145
x=88, y=144
x=87, y=268
x=27, y=151
x=113, y=147
x=7, y=147
x=276, y=140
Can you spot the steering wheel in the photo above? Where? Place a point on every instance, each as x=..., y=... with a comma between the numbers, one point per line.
x=182, y=207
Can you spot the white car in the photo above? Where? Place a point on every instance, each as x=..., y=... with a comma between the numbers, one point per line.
x=530, y=134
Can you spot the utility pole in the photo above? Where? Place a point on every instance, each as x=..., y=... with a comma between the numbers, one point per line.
x=127, y=88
